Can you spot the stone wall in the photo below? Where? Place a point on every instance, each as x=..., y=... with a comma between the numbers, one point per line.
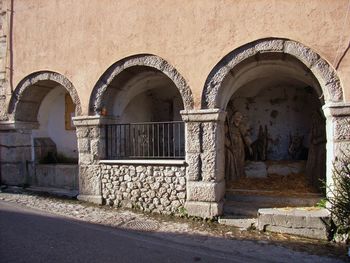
x=151, y=188
x=15, y=156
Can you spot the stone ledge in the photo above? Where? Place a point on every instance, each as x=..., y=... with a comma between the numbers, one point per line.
x=336, y=109
x=203, y=115
x=144, y=161
x=94, y=120
x=17, y=125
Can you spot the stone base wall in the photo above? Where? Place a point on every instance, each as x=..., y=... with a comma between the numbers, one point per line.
x=150, y=188
x=15, y=157
x=56, y=176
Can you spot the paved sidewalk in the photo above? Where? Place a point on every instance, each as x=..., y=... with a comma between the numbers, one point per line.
x=186, y=231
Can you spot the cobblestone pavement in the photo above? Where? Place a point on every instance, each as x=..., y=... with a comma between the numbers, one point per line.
x=210, y=234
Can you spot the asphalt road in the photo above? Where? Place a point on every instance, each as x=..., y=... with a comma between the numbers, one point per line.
x=28, y=235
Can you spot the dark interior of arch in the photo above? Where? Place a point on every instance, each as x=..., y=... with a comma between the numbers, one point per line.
x=280, y=99
x=29, y=102
x=143, y=93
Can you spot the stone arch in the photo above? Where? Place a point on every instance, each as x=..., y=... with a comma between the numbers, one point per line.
x=320, y=68
x=143, y=60
x=30, y=92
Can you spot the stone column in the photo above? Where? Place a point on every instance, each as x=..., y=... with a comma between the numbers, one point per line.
x=338, y=134
x=205, y=157
x=91, y=147
x=16, y=154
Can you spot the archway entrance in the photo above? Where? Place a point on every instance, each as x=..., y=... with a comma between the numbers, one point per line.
x=275, y=121
x=273, y=91
x=276, y=125
x=139, y=100
x=147, y=105
x=47, y=101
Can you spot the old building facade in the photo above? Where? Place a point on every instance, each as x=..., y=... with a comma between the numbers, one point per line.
x=138, y=93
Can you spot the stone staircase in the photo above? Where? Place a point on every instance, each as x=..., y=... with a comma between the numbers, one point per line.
x=246, y=203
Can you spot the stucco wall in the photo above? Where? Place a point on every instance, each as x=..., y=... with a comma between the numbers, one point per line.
x=51, y=118
x=81, y=39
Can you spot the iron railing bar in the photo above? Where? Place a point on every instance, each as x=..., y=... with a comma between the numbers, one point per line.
x=179, y=138
x=168, y=140
x=163, y=140
x=174, y=139
x=145, y=140
x=158, y=136
x=153, y=140
x=107, y=143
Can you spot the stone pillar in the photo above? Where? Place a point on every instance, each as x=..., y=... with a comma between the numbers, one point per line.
x=205, y=157
x=338, y=134
x=16, y=154
x=91, y=147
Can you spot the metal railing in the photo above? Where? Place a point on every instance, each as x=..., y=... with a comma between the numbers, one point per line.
x=149, y=140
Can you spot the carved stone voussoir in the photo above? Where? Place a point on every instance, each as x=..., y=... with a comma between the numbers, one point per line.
x=141, y=60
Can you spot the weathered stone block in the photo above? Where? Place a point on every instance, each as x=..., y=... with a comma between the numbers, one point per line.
x=89, y=180
x=85, y=158
x=305, y=54
x=342, y=129
x=269, y=46
x=57, y=175
x=194, y=166
x=213, y=166
x=83, y=145
x=297, y=221
x=82, y=132
x=204, y=209
x=192, y=139
x=209, y=136
x=205, y=191
x=13, y=174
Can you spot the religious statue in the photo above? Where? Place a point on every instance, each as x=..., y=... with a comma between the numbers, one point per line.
x=316, y=162
x=237, y=141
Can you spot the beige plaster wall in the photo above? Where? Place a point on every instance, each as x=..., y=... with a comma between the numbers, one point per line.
x=81, y=39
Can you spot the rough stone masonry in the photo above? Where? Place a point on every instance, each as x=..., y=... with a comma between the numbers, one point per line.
x=151, y=188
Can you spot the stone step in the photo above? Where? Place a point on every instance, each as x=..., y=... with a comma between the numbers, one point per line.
x=306, y=222
x=249, y=205
x=275, y=200
x=244, y=210
x=241, y=223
